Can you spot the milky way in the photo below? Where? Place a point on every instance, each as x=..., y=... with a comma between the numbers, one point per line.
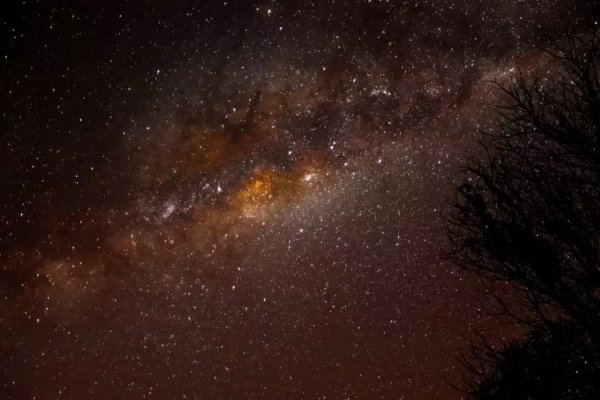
x=231, y=200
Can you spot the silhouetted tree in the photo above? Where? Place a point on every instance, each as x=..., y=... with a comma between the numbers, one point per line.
x=554, y=363
x=528, y=214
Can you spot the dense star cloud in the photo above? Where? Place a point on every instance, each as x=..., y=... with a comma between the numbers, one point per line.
x=244, y=199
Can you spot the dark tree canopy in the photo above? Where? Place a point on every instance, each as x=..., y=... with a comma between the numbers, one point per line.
x=528, y=214
x=550, y=364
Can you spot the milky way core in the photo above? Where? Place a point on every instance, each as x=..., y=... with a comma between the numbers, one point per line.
x=245, y=199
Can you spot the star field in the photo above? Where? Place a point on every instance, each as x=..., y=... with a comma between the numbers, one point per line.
x=245, y=199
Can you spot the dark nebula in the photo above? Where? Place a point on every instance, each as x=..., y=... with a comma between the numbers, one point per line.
x=245, y=199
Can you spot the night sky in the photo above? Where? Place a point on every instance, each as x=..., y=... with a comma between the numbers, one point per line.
x=245, y=199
